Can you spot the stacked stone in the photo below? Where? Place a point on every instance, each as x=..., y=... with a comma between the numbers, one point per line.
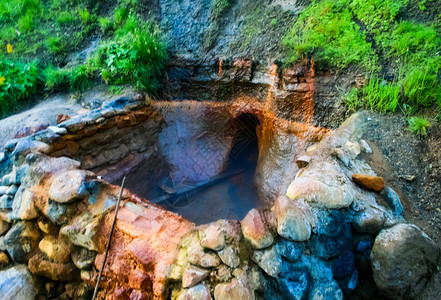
x=311, y=244
x=50, y=217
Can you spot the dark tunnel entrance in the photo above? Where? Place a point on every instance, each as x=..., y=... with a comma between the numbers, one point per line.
x=231, y=194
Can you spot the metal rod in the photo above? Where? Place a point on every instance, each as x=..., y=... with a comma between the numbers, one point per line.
x=95, y=292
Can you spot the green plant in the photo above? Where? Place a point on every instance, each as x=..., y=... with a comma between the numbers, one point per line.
x=54, y=77
x=54, y=45
x=136, y=55
x=120, y=15
x=351, y=99
x=419, y=125
x=80, y=78
x=106, y=24
x=380, y=95
x=18, y=80
x=65, y=18
x=85, y=16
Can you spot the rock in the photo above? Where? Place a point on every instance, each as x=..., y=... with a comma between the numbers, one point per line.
x=334, y=234
x=56, y=249
x=57, y=130
x=212, y=236
x=393, y=200
x=268, y=260
x=58, y=213
x=325, y=291
x=3, y=157
x=17, y=283
x=193, y=275
x=83, y=258
x=61, y=118
x=303, y=161
x=344, y=265
x=370, y=182
x=3, y=189
x=292, y=222
x=294, y=282
x=21, y=239
x=24, y=147
x=139, y=295
x=323, y=185
x=4, y=260
x=237, y=289
x=289, y=250
x=6, y=202
x=368, y=218
x=30, y=130
x=363, y=254
x=24, y=205
x=199, y=292
x=83, y=231
x=68, y=186
x=47, y=226
x=12, y=190
x=4, y=226
x=365, y=146
x=349, y=283
x=12, y=178
x=78, y=290
x=229, y=257
x=138, y=279
x=197, y=256
x=403, y=257
x=55, y=271
x=256, y=230
x=222, y=274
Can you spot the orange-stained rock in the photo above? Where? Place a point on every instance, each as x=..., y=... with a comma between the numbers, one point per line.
x=370, y=182
x=138, y=279
x=256, y=230
x=61, y=118
x=139, y=295
x=121, y=293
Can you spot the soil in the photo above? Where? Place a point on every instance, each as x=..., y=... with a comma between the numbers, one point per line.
x=411, y=165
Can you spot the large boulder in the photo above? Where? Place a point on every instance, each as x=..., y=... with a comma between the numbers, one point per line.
x=402, y=259
x=17, y=283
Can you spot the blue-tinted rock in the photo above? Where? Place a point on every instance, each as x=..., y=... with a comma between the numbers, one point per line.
x=334, y=234
x=325, y=290
x=17, y=283
x=21, y=239
x=289, y=250
x=394, y=202
x=363, y=254
x=364, y=245
x=344, y=265
x=294, y=282
x=6, y=202
x=348, y=283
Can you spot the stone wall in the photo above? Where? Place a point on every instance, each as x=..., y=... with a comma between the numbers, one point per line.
x=336, y=218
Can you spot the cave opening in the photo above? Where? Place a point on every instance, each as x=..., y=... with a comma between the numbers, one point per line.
x=227, y=195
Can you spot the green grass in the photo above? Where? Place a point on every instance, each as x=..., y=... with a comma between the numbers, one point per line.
x=327, y=31
x=419, y=125
x=360, y=33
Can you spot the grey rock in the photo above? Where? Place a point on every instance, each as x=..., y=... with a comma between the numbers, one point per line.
x=229, y=257
x=24, y=205
x=83, y=231
x=21, y=239
x=17, y=283
x=57, y=130
x=3, y=157
x=68, y=186
x=193, y=275
x=236, y=289
x=200, y=292
x=268, y=260
x=6, y=202
x=3, y=189
x=83, y=258
x=325, y=291
x=403, y=258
